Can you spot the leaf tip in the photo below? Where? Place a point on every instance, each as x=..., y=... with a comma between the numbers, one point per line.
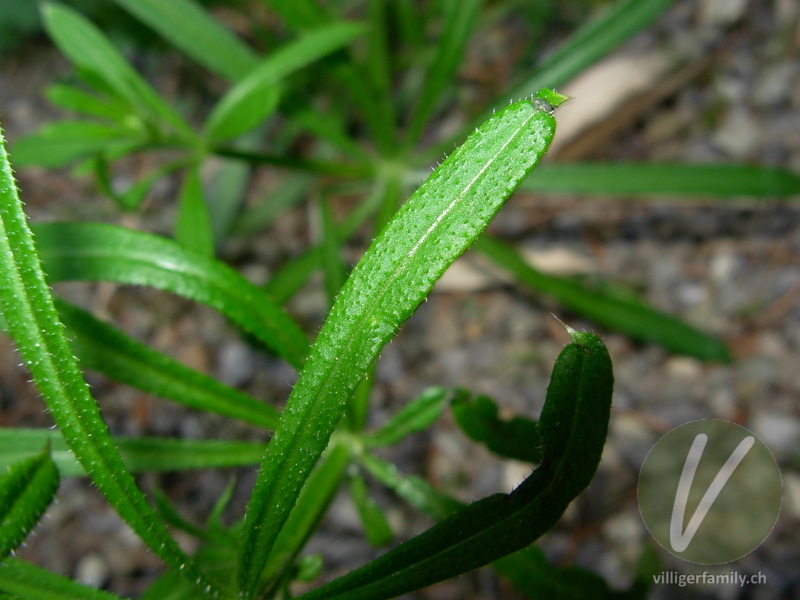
x=548, y=100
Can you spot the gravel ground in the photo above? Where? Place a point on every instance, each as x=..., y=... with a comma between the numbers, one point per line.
x=731, y=268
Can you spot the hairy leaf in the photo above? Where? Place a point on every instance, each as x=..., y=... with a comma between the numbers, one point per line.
x=26, y=490
x=574, y=423
x=441, y=219
x=139, y=454
x=27, y=304
x=101, y=252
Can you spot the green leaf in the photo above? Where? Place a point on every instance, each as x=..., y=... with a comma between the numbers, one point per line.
x=640, y=179
x=372, y=518
x=526, y=568
x=513, y=438
x=460, y=17
x=377, y=59
x=298, y=14
x=79, y=101
x=139, y=454
x=591, y=42
x=188, y=27
x=315, y=498
x=193, y=228
x=574, y=423
x=33, y=323
x=89, y=50
x=626, y=315
x=240, y=111
x=101, y=252
x=62, y=142
x=255, y=97
x=417, y=415
x=28, y=582
x=413, y=490
x=309, y=567
x=332, y=266
x=104, y=348
x=26, y=490
x=441, y=219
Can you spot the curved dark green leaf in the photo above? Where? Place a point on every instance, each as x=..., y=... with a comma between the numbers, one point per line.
x=104, y=348
x=28, y=582
x=516, y=438
x=417, y=415
x=574, y=423
x=627, y=315
x=101, y=252
x=27, y=304
x=441, y=219
x=526, y=568
x=26, y=490
x=641, y=179
x=139, y=454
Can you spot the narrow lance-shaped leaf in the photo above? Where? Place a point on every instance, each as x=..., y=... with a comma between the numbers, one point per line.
x=441, y=219
x=374, y=521
x=574, y=423
x=317, y=495
x=630, y=316
x=79, y=101
x=139, y=454
x=332, y=266
x=527, y=569
x=102, y=252
x=62, y=142
x=104, y=348
x=89, y=50
x=187, y=26
x=27, y=304
x=417, y=415
x=29, y=582
x=460, y=17
x=254, y=98
x=193, y=228
x=26, y=490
